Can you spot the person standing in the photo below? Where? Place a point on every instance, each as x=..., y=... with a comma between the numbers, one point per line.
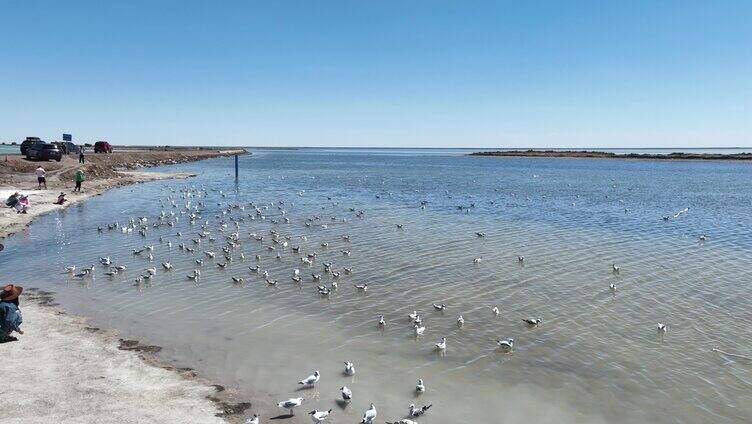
x=41, y=180
x=81, y=155
x=79, y=180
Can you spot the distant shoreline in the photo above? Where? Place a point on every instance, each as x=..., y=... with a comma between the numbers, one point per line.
x=590, y=154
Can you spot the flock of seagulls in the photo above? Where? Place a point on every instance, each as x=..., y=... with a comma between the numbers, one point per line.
x=218, y=242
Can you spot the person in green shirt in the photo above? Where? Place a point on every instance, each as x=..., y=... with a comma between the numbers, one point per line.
x=79, y=180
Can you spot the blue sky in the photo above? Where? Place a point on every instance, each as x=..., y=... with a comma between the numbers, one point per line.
x=379, y=73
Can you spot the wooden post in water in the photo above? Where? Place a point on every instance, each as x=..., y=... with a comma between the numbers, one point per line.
x=236, y=167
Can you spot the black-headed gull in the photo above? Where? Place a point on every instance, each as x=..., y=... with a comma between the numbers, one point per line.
x=319, y=417
x=442, y=344
x=311, y=379
x=291, y=404
x=346, y=393
x=417, y=412
x=532, y=321
x=369, y=415
x=505, y=345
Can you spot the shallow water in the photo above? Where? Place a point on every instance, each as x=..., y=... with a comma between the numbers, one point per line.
x=597, y=357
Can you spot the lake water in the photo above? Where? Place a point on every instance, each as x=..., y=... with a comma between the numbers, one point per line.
x=597, y=357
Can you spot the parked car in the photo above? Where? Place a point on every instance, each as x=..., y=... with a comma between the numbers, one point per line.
x=72, y=148
x=44, y=151
x=28, y=142
x=102, y=147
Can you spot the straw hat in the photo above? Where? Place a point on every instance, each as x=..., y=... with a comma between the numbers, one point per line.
x=10, y=292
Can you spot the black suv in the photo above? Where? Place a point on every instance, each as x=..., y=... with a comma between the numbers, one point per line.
x=28, y=142
x=44, y=151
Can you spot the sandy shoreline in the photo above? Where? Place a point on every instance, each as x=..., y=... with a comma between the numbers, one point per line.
x=103, y=172
x=62, y=370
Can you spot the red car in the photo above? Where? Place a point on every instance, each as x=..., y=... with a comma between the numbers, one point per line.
x=102, y=147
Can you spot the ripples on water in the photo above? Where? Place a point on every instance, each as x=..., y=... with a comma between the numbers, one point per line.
x=597, y=356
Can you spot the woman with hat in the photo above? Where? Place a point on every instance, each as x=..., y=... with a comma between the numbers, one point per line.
x=10, y=315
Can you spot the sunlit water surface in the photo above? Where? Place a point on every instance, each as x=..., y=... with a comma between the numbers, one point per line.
x=597, y=357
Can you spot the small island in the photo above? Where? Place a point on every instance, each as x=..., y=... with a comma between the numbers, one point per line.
x=589, y=154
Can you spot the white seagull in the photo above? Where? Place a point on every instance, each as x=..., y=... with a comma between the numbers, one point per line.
x=291, y=404
x=420, y=387
x=311, y=379
x=460, y=321
x=442, y=344
x=382, y=321
x=417, y=412
x=346, y=393
x=319, y=417
x=532, y=321
x=505, y=345
x=349, y=368
x=662, y=327
x=419, y=330
x=369, y=415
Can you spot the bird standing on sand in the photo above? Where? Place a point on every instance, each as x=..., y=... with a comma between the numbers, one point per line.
x=311, y=379
x=291, y=404
x=369, y=415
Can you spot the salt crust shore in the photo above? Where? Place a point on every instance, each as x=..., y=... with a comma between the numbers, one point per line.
x=62, y=370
